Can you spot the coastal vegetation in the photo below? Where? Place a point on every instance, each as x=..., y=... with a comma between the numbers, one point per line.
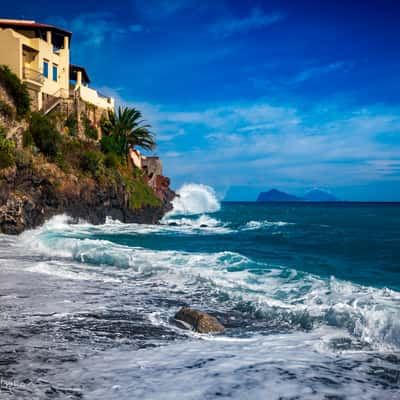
x=7, y=148
x=67, y=154
x=126, y=128
x=17, y=91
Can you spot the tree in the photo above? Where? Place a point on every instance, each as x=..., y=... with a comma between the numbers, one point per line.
x=127, y=128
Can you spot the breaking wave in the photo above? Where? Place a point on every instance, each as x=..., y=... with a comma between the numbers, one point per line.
x=284, y=297
x=195, y=199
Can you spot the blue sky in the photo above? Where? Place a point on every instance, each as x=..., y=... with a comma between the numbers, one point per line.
x=250, y=95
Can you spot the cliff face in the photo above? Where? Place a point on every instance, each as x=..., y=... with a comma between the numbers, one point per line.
x=30, y=196
x=46, y=169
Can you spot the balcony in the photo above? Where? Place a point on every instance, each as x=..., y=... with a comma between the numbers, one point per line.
x=92, y=96
x=33, y=76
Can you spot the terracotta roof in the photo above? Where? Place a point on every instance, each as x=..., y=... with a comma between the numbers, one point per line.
x=73, y=69
x=16, y=23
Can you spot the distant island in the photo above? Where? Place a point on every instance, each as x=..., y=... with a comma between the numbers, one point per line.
x=320, y=195
x=277, y=195
x=315, y=195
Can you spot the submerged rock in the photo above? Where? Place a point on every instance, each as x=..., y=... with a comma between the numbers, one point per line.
x=199, y=321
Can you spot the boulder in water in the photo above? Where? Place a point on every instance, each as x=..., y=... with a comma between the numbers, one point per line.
x=200, y=321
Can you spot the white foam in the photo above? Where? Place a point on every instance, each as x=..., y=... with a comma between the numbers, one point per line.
x=370, y=314
x=195, y=199
x=266, y=367
x=255, y=225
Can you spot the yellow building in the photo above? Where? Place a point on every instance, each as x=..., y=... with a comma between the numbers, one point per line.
x=39, y=55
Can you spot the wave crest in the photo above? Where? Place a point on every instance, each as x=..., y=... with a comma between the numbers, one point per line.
x=195, y=199
x=279, y=295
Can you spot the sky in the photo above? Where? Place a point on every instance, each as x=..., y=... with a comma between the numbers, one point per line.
x=246, y=96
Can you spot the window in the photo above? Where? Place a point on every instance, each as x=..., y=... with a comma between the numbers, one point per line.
x=55, y=73
x=45, y=69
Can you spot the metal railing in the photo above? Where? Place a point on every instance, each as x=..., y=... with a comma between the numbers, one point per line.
x=33, y=75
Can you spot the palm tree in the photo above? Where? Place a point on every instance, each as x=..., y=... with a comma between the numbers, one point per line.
x=128, y=129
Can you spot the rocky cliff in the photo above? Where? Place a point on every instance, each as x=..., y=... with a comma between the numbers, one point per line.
x=48, y=168
x=29, y=196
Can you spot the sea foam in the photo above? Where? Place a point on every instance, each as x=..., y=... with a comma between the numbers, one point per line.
x=195, y=199
x=230, y=279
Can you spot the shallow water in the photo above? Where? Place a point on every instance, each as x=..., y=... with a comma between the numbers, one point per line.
x=309, y=293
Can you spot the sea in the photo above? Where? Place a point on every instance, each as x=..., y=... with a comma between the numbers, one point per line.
x=309, y=294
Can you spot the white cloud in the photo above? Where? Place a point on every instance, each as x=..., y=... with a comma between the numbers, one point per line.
x=257, y=19
x=93, y=28
x=320, y=70
x=263, y=145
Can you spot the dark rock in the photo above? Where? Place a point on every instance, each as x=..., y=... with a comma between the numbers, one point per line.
x=200, y=321
x=203, y=226
x=28, y=198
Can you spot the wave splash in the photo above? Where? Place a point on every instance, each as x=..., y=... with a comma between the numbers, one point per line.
x=279, y=296
x=195, y=199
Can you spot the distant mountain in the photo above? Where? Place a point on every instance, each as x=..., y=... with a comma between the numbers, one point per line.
x=320, y=195
x=277, y=195
x=315, y=195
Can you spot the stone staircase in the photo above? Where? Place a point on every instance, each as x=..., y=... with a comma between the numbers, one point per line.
x=53, y=101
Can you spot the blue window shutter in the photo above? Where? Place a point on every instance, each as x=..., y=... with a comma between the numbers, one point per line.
x=55, y=73
x=45, y=69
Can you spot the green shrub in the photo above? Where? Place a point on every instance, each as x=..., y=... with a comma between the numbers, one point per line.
x=23, y=159
x=7, y=152
x=60, y=160
x=111, y=161
x=27, y=139
x=105, y=125
x=17, y=90
x=92, y=162
x=72, y=124
x=6, y=110
x=45, y=135
x=109, y=144
x=89, y=130
x=141, y=194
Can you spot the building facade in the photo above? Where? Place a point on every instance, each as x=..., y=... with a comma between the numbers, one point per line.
x=39, y=54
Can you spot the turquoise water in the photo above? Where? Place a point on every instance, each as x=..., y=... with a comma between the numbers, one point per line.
x=309, y=294
x=355, y=242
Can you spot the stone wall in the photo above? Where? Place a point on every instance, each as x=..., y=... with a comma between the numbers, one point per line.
x=94, y=114
x=75, y=107
x=152, y=166
x=34, y=95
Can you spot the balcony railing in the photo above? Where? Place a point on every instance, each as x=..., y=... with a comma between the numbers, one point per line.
x=33, y=75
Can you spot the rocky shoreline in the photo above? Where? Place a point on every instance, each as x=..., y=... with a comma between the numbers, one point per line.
x=29, y=197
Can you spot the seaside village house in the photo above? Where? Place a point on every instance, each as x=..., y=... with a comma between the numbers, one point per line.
x=39, y=54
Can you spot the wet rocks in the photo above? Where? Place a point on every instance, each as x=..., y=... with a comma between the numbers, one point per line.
x=199, y=321
x=29, y=196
